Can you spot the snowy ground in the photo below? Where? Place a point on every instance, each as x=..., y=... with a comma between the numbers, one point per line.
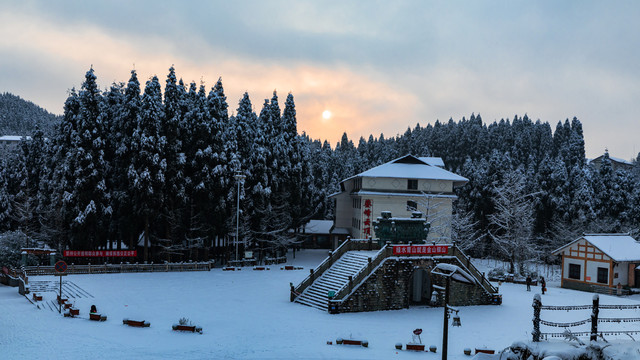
x=247, y=315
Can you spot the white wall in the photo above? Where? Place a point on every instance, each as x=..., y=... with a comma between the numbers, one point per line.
x=573, y=261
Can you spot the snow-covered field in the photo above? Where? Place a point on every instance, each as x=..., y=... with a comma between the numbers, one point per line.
x=247, y=315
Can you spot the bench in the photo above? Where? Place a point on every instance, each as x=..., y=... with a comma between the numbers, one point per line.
x=67, y=305
x=364, y=343
x=97, y=317
x=136, y=323
x=62, y=300
x=415, y=347
x=485, y=351
x=71, y=312
x=37, y=297
x=189, y=328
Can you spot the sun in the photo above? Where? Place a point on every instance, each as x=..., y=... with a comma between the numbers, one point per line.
x=326, y=114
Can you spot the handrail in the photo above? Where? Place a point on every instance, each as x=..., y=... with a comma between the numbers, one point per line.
x=384, y=253
x=320, y=269
x=119, y=268
x=464, y=259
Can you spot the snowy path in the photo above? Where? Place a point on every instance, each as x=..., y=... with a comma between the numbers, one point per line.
x=247, y=315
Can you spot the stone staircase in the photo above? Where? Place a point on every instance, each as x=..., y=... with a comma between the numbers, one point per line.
x=335, y=278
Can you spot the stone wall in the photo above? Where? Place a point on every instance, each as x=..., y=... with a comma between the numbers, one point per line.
x=388, y=287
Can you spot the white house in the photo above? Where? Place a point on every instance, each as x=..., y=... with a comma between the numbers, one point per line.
x=400, y=186
x=600, y=260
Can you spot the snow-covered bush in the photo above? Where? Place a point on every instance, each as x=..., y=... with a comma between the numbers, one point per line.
x=11, y=244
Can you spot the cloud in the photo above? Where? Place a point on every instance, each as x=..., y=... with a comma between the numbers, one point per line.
x=380, y=67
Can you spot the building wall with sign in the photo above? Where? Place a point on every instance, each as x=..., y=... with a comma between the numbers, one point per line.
x=401, y=186
x=389, y=287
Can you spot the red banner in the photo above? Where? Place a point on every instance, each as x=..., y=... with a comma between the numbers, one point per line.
x=100, y=253
x=420, y=249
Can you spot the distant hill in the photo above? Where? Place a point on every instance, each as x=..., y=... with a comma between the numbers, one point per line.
x=20, y=117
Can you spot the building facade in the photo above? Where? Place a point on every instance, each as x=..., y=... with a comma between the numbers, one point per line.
x=401, y=186
x=600, y=260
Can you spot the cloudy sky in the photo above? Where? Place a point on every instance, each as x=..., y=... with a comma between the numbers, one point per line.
x=377, y=67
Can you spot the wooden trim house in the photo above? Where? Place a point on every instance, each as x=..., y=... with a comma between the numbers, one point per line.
x=595, y=261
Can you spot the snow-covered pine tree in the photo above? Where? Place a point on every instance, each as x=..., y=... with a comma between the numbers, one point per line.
x=86, y=199
x=147, y=167
x=124, y=124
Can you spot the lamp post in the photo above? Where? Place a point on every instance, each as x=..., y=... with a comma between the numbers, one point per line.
x=449, y=272
x=239, y=178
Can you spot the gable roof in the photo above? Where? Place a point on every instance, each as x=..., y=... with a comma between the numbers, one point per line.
x=411, y=167
x=619, y=247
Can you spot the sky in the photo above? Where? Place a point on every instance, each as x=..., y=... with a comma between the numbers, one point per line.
x=360, y=67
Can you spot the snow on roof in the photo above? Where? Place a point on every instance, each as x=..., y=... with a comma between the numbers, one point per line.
x=318, y=227
x=340, y=231
x=411, y=167
x=619, y=247
x=13, y=138
x=618, y=160
x=433, y=161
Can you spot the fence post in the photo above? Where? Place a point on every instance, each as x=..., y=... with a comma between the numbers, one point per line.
x=594, y=318
x=313, y=276
x=537, y=306
x=350, y=284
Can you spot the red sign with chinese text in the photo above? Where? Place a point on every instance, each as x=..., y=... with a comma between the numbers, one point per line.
x=100, y=253
x=368, y=205
x=420, y=249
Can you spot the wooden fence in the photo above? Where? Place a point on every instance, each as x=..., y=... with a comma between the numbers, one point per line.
x=594, y=320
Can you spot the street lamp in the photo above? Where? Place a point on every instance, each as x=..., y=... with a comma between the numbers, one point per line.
x=239, y=178
x=450, y=271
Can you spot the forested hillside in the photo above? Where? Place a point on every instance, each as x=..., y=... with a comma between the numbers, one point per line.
x=20, y=117
x=162, y=165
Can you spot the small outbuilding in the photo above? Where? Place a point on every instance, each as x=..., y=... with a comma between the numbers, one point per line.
x=596, y=261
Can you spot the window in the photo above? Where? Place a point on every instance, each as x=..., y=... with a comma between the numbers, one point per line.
x=412, y=206
x=412, y=184
x=574, y=271
x=603, y=275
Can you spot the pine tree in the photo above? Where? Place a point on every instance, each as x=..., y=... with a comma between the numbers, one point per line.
x=148, y=164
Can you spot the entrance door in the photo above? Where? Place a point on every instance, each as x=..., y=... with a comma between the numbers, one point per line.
x=637, y=279
x=420, y=289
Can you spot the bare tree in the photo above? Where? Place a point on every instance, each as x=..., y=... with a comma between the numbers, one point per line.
x=511, y=224
x=438, y=216
x=464, y=231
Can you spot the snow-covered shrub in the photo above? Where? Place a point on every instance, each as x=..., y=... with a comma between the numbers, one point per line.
x=11, y=244
x=184, y=321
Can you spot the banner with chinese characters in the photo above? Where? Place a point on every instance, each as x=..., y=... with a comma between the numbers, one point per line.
x=100, y=253
x=368, y=209
x=420, y=249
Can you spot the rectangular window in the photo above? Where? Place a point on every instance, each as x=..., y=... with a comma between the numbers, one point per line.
x=412, y=184
x=412, y=206
x=574, y=271
x=603, y=275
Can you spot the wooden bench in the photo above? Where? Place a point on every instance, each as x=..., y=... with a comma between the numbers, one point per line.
x=190, y=328
x=136, y=323
x=71, y=312
x=97, y=317
x=364, y=343
x=62, y=300
x=485, y=351
x=37, y=297
x=67, y=305
x=415, y=347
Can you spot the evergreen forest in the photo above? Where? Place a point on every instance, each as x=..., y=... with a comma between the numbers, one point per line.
x=160, y=165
